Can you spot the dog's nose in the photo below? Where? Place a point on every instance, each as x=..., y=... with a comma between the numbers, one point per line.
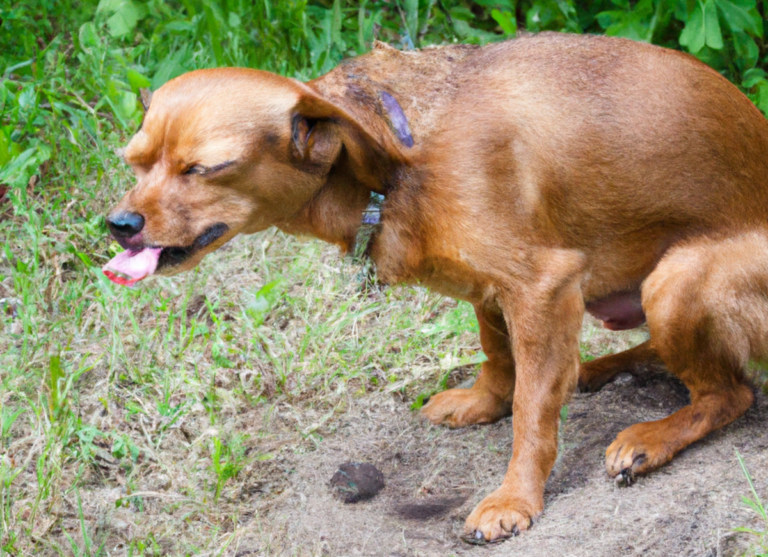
x=125, y=224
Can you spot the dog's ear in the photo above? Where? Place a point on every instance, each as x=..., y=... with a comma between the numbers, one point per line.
x=320, y=127
x=301, y=133
x=146, y=98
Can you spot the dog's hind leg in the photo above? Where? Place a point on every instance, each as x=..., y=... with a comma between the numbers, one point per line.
x=707, y=309
x=490, y=398
x=593, y=375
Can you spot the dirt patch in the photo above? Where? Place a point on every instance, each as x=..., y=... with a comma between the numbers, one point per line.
x=435, y=477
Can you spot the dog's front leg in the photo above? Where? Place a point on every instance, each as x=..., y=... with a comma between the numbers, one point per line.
x=490, y=398
x=544, y=319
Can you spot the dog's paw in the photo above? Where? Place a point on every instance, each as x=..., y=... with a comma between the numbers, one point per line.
x=500, y=515
x=639, y=449
x=463, y=407
x=592, y=377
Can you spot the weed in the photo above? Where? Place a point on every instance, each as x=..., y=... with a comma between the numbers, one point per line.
x=760, y=547
x=227, y=459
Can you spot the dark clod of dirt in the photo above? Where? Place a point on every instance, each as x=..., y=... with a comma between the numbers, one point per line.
x=428, y=508
x=356, y=481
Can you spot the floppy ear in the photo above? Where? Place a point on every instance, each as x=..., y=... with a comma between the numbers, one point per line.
x=146, y=98
x=321, y=127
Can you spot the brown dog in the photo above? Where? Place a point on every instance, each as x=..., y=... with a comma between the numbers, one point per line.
x=534, y=178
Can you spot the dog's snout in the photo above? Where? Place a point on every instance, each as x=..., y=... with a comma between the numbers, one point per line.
x=125, y=224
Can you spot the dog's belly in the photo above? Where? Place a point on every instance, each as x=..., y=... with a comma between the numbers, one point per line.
x=618, y=311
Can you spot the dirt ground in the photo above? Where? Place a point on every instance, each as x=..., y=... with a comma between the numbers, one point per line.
x=283, y=505
x=435, y=476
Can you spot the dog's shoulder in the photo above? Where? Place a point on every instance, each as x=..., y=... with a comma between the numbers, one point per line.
x=421, y=81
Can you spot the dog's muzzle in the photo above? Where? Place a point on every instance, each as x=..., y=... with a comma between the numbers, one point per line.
x=136, y=263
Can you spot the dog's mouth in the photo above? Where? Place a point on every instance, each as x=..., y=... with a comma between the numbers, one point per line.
x=133, y=265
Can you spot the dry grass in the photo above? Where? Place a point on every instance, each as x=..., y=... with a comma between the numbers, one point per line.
x=153, y=420
x=204, y=414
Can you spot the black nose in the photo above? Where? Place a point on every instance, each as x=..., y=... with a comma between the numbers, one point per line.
x=125, y=224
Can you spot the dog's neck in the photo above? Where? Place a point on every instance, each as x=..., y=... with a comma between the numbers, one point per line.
x=347, y=209
x=380, y=89
x=341, y=213
x=336, y=213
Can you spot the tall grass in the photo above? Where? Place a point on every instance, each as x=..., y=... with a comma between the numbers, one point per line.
x=96, y=382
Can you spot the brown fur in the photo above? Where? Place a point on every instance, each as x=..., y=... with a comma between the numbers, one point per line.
x=549, y=174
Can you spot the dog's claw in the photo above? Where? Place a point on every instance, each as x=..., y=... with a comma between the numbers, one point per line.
x=477, y=538
x=625, y=478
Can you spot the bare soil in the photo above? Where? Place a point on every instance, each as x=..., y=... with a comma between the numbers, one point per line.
x=435, y=476
x=282, y=502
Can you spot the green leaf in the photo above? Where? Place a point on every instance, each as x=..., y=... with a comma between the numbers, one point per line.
x=108, y=6
x=123, y=103
x=8, y=418
x=5, y=148
x=88, y=36
x=137, y=81
x=741, y=15
x=506, y=21
x=761, y=97
x=508, y=4
x=169, y=68
x=56, y=373
x=702, y=28
x=753, y=77
x=267, y=296
x=124, y=19
x=714, y=35
x=18, y=171
x=747, y=51
x=466, y=31
x=27, y=97
x=693, y=33
x=412, y=19
x=180, y=26
x=336, y=24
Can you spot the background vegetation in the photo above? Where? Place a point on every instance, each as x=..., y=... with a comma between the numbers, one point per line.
x=94, y=380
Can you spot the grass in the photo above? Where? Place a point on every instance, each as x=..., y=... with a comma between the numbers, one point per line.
x=156, y=420
x=753, y=501
x=103, y=389
x=136, y=417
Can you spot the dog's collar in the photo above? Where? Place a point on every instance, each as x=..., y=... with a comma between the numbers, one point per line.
x=371, y=221
x=369, y=226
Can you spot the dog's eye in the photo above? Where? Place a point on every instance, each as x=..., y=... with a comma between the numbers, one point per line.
x=194, y=169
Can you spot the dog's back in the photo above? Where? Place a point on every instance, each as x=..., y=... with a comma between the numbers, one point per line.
x=600, y=144
x=601, y=114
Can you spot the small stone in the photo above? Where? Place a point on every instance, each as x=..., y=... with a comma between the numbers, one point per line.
x=356, y=481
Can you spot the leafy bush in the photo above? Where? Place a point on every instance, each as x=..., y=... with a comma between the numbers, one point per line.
x=71, y=71
x=104, y=52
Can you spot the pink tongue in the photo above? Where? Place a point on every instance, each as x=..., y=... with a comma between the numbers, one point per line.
x=130, y=267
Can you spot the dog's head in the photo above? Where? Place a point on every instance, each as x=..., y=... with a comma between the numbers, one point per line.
x=222, y=152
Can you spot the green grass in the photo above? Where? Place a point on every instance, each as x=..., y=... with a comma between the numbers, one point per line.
x=169, y=400
x=759, y=548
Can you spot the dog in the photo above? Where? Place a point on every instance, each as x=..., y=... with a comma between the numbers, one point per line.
x=537, y=179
